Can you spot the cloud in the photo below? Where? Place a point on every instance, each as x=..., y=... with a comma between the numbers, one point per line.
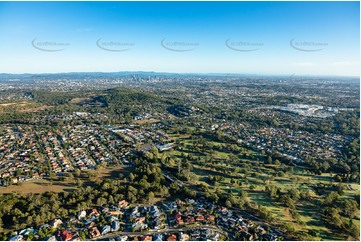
x=303, y=64
x=345, y=63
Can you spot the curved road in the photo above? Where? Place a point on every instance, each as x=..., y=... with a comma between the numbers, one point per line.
x=160, y=231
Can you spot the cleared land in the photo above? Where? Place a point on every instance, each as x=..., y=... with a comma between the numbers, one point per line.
x=45, y=185
x=38, y=186
x=26, y=106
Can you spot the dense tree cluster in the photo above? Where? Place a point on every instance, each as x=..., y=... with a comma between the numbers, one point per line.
x=339, y=213
x=142, y=185
x=147, y=181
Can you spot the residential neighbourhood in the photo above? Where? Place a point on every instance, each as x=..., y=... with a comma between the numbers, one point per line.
x=84, y=147
x=179, y=220
x=132, y=162
x=180, y=121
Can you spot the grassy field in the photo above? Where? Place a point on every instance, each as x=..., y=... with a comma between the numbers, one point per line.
x=13, y=104
x=110, y=172
x=38, y=186
x=259, y=176
x=24, y=106
x=10, y=106
x=45, y=185
x=150, y=121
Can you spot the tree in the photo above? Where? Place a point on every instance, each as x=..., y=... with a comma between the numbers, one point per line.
x=228, y=203
x=354, y=231
x=295, y=194
x=79, y=182
x=37, y=220
x=111, y=199
x=77, y=172
x=90, y=174
x=331, y=198
x=288, y=201
x=82, y=235
x=30, y=236
x=41, y=234
x=350, y=208
x=131, y=177
x=29, y=220
x=244, y=195
x=155, y=152
x=289, y=227
x=144, y=184
x=101, y=201
x=280, y=174
x=150, y=196
x=3, y=237
x=70, y=177
x=164, y=192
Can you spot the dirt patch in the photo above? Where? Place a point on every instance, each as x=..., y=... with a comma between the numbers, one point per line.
x=79, y=100
x=44, y=185
x=13, y=104
x=36, y=109
x=36, y=186
x=146, y=121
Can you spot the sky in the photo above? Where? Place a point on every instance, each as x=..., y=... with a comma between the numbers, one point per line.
x=267, y=38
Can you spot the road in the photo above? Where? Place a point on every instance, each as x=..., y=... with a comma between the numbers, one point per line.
x=242, y=212
x=173, y=179
x=160, y=231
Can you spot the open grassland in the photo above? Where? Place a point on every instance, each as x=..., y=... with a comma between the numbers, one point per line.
x=13, y=104
x=38, y=186
x=66, y=185
x=145, y=121
x=24, y=106
x=10, y=106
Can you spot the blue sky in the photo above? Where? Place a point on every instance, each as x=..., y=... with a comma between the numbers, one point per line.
x=288, y=38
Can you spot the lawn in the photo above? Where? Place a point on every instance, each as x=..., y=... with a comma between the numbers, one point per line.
x=260, y=175
x=44, y=185
x=38, y=186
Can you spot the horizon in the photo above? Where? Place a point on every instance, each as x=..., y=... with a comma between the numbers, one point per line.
x=245, y=38
x=181, y=73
